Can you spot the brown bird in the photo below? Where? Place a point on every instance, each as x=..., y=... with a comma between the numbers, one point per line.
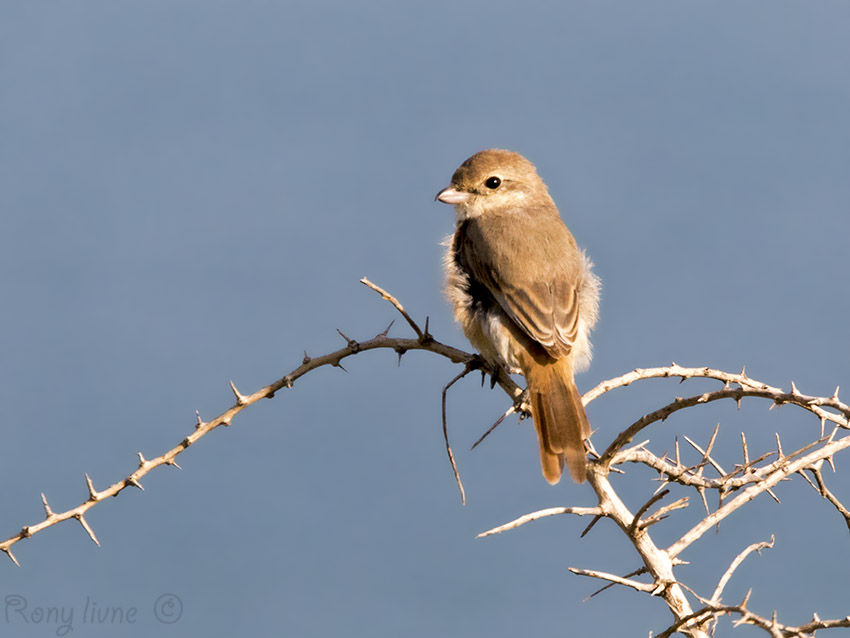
x=524, y=294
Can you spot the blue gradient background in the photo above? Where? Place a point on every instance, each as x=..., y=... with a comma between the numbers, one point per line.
x=189, y=193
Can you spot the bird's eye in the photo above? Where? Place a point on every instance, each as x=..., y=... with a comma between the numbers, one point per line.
x=493, y=182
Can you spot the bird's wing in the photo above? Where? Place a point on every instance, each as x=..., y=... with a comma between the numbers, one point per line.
x=532, y=277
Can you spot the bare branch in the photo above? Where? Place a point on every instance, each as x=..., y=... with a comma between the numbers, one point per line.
x=816, y=471
x=662, y=512
x=786, y=468
x=655, y=498
x=721, y=584
x=617, y=580
x=467, y=369
x=552, y=511
x=734, y=489
x=636, y=572
x=395, y=302
x=746, y=387
x=658, y=562
x=771, y=626
x=423, y=342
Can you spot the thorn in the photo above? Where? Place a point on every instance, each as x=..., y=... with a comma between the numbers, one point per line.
x=711, y=442
x=746, y=451
x=353, y=345
x=131, y=481
x=775, y=498
x=744, y=372
x=240, y=399
x=387, y=329
x=86, y=527
x=779, y=447
x=831, y=462
x=47, y=511
x=92, y=492
x=339, y=365
x=426, y=336
x=200, y=422
x=483, y=377
x=822, y=425
x=510, y=410
x=12, y=556
x=738, y=401
x=174, y=463
x=142, y=460
x=400, y=352
x=835, y=394
x=678, y=462
x=590, y=526
x=306, y=359
x=744, y=602
x=701, y=491
x=794, y=389
x=809, y=481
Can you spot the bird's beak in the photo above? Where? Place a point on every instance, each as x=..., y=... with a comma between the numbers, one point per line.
x=451, y=196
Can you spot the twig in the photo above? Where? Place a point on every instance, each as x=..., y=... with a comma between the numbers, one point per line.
x=552, y=511
x=647, y=588
x=636, y=572
x=398, y=306
x=467, y=369
x=662, y=512
x=816, y=471
x=721, y=584
x=636, y=520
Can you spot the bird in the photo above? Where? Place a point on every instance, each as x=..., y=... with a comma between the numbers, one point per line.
x=524, y=294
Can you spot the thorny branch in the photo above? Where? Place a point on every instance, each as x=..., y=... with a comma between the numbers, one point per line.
x=423, y=341
x=712, y=613
x=734, y=487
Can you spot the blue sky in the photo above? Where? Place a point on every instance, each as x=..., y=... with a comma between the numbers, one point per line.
x=190, y=192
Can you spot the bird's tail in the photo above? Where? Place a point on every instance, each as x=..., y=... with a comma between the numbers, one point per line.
x=559, y=418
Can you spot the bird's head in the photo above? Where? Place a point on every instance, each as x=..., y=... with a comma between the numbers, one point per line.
x=492, y=180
